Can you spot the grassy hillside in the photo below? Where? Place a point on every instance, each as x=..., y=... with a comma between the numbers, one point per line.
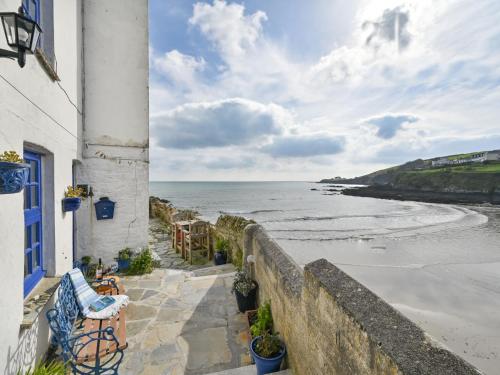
x=450, y=180
x=420, y=175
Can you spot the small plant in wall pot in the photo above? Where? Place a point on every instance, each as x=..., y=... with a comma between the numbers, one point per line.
x=14, y=173
x=72, y=198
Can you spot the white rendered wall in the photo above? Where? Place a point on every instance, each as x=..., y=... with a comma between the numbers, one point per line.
x=115, y=159
x=46, y=120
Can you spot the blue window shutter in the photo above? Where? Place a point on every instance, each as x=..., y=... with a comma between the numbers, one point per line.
x=32, y=9
x=47, y=24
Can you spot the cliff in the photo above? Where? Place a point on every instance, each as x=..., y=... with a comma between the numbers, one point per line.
x=473, y=182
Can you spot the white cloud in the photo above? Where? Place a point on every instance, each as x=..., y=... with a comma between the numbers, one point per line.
x=220, y=123
x=389, y=124
x=178, y=67
x=442, y=64
x=227, y=26
x=305, y=145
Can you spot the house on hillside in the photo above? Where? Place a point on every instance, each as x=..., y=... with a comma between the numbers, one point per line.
x=75, y=108
x=493, y=155
x=478, y=157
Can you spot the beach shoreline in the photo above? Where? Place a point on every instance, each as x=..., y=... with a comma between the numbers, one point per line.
x=385, y=192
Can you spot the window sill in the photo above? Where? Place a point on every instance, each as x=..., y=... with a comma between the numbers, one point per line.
x=38, y=299
x=46, y=65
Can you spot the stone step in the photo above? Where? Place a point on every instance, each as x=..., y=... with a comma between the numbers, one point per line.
x=213, y=270
x=248, y=370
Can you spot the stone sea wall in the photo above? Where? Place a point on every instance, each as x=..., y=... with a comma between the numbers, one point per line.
x=332, y=324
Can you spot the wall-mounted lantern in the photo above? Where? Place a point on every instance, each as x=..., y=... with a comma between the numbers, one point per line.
x=21, y=33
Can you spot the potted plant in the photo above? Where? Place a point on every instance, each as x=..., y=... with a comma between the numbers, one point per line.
x=221, y=248
x=14, y=173
x=267, y=351
x=245, y=290
x=85, y=262
x=142, y=263
x=124, y=257
x=72, y=199
x=263, y=321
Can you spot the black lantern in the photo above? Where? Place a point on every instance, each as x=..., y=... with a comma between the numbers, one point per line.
x=21, y=33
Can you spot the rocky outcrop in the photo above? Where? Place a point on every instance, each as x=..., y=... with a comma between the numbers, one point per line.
x=387, y=192
x=164, y=210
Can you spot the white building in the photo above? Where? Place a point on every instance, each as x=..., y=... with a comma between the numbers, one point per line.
x=479, y=157
x=78, y=111
x=493, y=155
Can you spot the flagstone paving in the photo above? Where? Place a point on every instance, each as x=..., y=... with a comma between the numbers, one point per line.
x=160, y=244
x=184, y=322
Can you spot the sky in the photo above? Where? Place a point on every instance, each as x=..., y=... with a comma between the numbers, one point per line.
x=297, y=90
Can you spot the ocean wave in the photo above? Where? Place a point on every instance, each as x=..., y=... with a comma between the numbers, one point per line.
x=334, y=217
x=318, y=230
x=325, y=239
x=248, y=212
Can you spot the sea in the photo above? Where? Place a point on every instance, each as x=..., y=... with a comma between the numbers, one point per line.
x=437, y=264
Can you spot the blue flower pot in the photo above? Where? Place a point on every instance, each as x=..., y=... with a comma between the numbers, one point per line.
x=13, y=177
x=71, y=204
x=266, y=365
x=220, y=258
x=123, y=264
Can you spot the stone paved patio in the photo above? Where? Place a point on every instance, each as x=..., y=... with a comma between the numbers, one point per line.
x=183, y=321
x=159, y=243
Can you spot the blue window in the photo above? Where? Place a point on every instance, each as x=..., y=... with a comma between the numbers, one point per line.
x=43, y=13
x=33, y=244
x=32, y=9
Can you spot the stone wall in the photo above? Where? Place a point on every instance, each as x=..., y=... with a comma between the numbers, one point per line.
x=232, y=228
x=115, y=131
x=42, y=116
x=332, y=324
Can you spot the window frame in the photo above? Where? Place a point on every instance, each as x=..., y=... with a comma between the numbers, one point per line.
x=26, y=7
x=33, y=216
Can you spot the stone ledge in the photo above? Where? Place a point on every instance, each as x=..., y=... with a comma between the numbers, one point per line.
x=402, y=340
x=285, y=268
x=38, y=299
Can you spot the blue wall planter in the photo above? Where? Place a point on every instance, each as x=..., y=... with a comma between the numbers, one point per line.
x=71, y=204
x=13, y=177
x=104, y=209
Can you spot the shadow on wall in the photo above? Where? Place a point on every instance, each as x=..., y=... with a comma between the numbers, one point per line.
x=32, y=346
x=25, y=353
x=210, y=335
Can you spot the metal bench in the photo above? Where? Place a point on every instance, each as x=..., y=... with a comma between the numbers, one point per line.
x=88, y=346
